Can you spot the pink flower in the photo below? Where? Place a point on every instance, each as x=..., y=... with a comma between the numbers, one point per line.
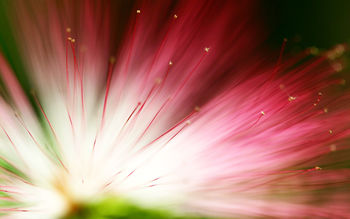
x=187, y=114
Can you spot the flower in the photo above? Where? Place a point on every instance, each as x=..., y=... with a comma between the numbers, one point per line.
x=149, y=123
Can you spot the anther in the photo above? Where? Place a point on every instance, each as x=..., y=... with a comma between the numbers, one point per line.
x=336, y=52
x=206, y=49
x=337, y=67
x=71, y=39
x=291, y=98
x=138, y=11
x=112, y=59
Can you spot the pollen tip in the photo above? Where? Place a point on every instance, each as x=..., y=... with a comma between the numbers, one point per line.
x=68, y=30
x=291, y=98
x=188, y=122
x=336, y=52
x=325, y=110
x=206, y=49
x=170, y=63
x=262, y=113
x=71, y=39
x=175, y=16
x=197, y=109
x=337, y=66
x=138, y=11
x=318, y=168
x=112, y=59
x=330, y=131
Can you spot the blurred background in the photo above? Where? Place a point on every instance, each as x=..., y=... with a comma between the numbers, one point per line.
x=318, y=23
x=313, y=23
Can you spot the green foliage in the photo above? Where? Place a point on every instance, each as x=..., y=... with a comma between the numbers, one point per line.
x=112, y=208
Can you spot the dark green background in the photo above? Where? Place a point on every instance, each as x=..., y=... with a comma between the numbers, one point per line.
x=320, y=23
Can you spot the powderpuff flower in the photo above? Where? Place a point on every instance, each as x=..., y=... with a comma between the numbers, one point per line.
x=183, y=112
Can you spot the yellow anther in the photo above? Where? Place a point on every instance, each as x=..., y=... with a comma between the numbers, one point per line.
x=206, y=49
x=336, y=52
x=330, y=131
x=170, y=63
x=71, y=39
x=291, y=98
x=337, y=67
x=138, y=11
x=325, y=110
x=197, y=109
x=112, y=59
x=262, y=113
x=318, y=168
x=340, y=48
x=68, y=30
x=175, y=16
